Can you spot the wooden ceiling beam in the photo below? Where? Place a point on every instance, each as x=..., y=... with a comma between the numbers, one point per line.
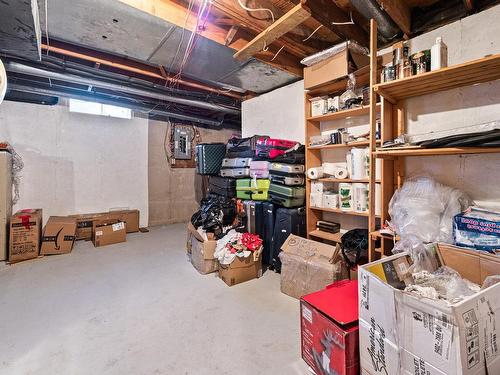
x=400, y=13
x=175, y=13
x=289, y=21
x=326, y=12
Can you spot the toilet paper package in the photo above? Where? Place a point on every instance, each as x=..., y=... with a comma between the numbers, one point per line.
x=378, y=199
x=345, y=193
x=315, y=173
x=360, y=197
x=341, y=173
x=316, y=199
x=378, y=169
x=330, y=200
x=317, y=187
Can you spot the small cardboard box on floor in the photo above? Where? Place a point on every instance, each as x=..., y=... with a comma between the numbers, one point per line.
x=242, y=269
x=201, y=251
x=108, y=232
x=308, y=266
x=85, y=221
x=25, y=235
x=329, y=329
x=58, y=235
x=401, y=333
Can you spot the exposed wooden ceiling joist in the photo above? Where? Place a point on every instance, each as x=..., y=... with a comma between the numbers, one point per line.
x=327, y=13
x=283, y=25
x=400, y=13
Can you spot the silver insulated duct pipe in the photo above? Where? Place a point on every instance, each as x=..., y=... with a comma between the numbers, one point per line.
x=72, y=78
x=371, y=9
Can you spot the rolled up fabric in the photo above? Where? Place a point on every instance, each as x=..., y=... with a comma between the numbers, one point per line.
x=315, y=173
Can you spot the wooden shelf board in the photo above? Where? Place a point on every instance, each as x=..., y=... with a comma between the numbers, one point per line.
x=342, y=145
x=360, y=111
x=435, y=151
x=335, y=237
x=469, y=73
x=377, y=234
x=328, y=179
x=339, y=211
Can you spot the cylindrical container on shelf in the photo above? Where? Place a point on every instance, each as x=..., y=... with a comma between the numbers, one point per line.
x=345, y=196
x=359, y=164
x=360, y=197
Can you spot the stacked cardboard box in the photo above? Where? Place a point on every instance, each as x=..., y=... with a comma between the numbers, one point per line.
x=401, y=333
x=85, y=221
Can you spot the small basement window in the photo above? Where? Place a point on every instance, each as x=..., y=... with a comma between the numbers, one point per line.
x=92, y=108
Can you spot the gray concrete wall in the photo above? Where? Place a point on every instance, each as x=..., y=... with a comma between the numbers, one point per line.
x=77, y=163
x=174, y=193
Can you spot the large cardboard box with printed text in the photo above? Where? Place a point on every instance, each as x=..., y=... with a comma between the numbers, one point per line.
x=401, y=333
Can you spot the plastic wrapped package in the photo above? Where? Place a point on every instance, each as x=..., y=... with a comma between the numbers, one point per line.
x=490, y=280
x=447, y=283
x=336, y=49
x=301, y=275
x=424, y=257
x=425, y=209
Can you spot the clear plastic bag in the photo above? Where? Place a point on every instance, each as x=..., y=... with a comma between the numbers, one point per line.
x=423, y=256
x=425, y=209
x=490, y=280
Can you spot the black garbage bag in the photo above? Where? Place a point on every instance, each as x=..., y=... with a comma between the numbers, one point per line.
x=354, y=246
x=214, y=214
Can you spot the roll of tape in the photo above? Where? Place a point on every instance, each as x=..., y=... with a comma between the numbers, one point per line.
x=315, y=173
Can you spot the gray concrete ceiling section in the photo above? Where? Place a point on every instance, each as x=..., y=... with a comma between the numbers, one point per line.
x=20, y=28
x=117, y=28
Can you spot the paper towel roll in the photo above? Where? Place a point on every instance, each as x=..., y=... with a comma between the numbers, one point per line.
x=358, y=164
x=341, y=173
x=330, y=200
x=315, y=173
x=317, y=187
x=360, y=197
x=345, y=193
x=378, y=199
x=348, y=159
x=316, y=200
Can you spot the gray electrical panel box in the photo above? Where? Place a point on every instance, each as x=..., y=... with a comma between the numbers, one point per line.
x=183, y=138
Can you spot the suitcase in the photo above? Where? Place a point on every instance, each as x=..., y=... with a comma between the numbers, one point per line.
x=254, y=189
x=286, y=169
x=209, y=158
x=268, y=215
x=297, y=180
x=236, y=162
x=287, y=196
x=235, y=172
x=242, y=147
x=270, y=148
x=259, y=169
x=254, y=214
x=297, y=156
x=225, y=187
x=288, y=221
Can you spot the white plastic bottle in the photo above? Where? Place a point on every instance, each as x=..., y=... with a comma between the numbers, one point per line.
x=439, y=55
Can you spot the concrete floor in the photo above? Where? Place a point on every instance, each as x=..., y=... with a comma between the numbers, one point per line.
x=141, y=308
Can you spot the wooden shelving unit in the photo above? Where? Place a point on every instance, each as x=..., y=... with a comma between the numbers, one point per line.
x=393, y=123
x=315, y=157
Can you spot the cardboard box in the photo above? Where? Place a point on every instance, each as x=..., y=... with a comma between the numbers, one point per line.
x=242, y=269
x=401, y=333
x=329, y=329
x=5, y=202
x=25, y=235
x=108, y=232
x=201, y=251
x=85, y=221
x=58, y=235
x=334, y=67
x=308, y=266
